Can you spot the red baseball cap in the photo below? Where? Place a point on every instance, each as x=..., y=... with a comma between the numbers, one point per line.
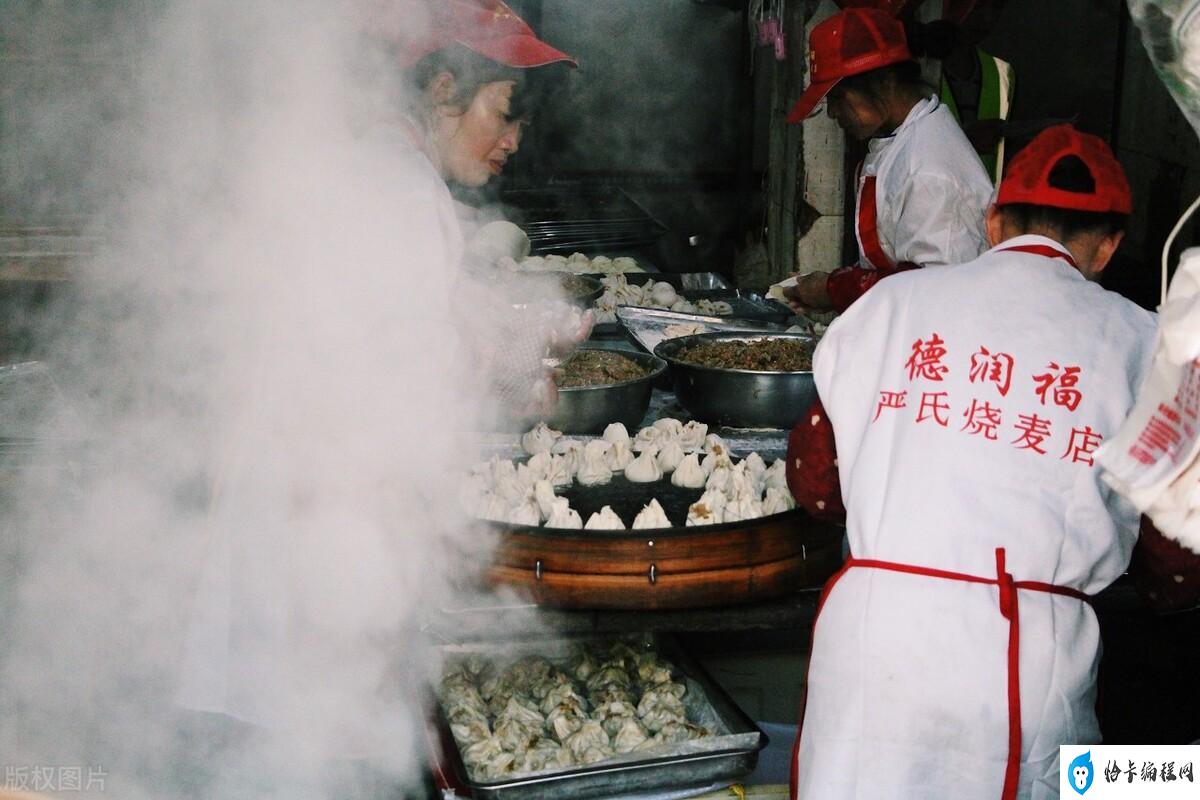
x=1027, y=179
x=852, y=41
x=489, y=27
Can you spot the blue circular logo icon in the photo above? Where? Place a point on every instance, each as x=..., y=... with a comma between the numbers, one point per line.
x=1081, y=773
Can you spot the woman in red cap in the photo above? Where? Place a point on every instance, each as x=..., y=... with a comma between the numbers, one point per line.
x=466, y=98
x=921, y=192
x=462, y=120
x=956, y=649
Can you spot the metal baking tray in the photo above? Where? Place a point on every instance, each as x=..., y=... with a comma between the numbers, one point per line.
x=713, y=761
x=747, y=306
x=649, y=326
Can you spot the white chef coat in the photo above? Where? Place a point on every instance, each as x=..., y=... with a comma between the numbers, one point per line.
x=931, y=191
x=266, y=636
x=938, y=468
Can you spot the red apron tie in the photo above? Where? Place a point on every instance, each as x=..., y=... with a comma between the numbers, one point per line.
x=1041, y=250
x=1009, y=609
x=868, y=227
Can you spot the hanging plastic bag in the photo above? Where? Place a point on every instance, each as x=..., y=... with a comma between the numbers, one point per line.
x=1152, y=460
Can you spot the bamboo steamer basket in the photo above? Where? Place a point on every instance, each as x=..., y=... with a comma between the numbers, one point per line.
x=667, y=568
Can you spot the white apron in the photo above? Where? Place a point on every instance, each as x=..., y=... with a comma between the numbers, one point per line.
x=930, y=193
x=967, y=404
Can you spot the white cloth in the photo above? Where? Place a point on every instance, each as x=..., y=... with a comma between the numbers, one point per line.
x=931, y=192
x=907, y=682
x=1155, y=458
x=285, y=596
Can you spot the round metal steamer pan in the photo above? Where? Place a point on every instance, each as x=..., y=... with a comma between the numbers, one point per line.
x=666, y=568
x=589, y=409
x=739, y=398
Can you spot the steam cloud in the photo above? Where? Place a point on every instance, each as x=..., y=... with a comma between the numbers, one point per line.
x=260, y=357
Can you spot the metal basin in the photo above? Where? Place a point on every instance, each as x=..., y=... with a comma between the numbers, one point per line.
x=739, y=398
x=589, y=409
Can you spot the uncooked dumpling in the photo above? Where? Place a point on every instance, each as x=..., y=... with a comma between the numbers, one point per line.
x=559, y=473
x=689, y=474
x=777, y=501
x=572, y=452
x=650, y=438
x=605, y=520
x=691, y=436
x=563, y=516
x=644, y=469
x=718, y=479
x=708, y=510
x=777, y=475
x=652, y=516
x=539, y=440
x=620, y=455
x=543, y=494
x=670, y=426
x=594, y=469
x=663, y=294
x=616, y=432
x=669, y=456
x=526, y=513
x=743, y=506
x=538, y=465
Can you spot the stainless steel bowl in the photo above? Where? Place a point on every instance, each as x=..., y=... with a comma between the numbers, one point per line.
x=740, y=398
x=589, y=409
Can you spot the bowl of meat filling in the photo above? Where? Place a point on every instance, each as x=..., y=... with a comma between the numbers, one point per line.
x=742, y=380
x=598, y=386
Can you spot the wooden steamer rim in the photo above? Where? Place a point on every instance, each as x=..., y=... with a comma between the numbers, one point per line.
x=665, y=568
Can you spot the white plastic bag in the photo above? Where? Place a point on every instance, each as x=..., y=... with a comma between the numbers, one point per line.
x=1154, y=460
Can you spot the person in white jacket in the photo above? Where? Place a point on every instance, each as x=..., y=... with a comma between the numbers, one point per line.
x=261, y=653
x=921, y=191
x=956, y=649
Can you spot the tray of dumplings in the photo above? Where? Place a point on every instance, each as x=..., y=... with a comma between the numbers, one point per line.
x=663, y=295
x=583, y=718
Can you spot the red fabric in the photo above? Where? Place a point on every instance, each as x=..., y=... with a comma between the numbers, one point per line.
x=489, y=27
x=812, y=472
x=847, y=284
x=868, y=226
x=852, y=41
x=1009, y=609
x=1164, y=572
x=1041, y=250
x=1027, y=178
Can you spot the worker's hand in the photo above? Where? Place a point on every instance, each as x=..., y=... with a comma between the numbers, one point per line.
x=566, y=328
x=811, y=292
x=985, y=134
x=543, y=397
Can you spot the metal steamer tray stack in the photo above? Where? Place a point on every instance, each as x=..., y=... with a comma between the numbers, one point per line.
x=590, y=220
x=727, y=755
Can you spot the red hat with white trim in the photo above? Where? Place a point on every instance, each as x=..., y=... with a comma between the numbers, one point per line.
x=1027, y=179
x=852, y=41
x=489, y=27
